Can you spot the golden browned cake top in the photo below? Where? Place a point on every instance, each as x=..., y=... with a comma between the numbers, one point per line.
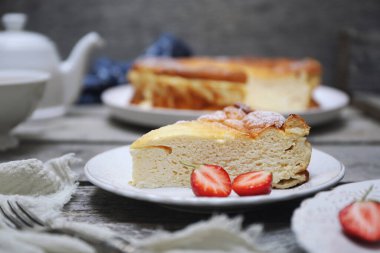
x=237, y=121
x=193, y=67
x=243, y=119
x=224, y=68
x=281, y=65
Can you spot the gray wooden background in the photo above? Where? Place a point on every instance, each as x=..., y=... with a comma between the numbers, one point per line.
x=295, y=28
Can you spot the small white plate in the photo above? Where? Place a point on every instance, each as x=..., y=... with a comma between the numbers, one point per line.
x=112, y=171
x=117, y=99
x=316, y=223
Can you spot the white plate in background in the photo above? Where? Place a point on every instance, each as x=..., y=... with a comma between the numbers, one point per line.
x=112, y=171
x=316, y=224
x=117, y=99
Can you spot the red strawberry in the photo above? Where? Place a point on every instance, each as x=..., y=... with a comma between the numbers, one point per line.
x=253, y=183
x=361, y=219
x=210, y=181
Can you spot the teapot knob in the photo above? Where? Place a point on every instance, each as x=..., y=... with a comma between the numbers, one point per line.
x=14, y=21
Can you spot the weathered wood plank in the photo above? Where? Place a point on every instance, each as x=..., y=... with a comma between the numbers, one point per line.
x=92, y=125
x=353, y=127
x=91, y=203
x=81, y=124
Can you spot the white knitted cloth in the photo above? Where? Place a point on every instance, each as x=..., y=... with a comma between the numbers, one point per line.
x=31, y=181
x=46, y=187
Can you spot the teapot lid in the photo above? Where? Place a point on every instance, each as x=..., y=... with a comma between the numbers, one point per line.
x=15, y=37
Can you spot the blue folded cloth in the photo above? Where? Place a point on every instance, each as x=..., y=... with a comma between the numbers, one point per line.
x=105, y=72
x=168, y=45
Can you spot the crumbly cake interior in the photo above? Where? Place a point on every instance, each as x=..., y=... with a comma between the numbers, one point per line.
x=238, y=139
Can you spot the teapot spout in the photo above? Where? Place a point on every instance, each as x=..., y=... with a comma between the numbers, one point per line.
x=73, y=68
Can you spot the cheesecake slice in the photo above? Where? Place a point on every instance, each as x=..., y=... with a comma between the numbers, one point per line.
x=204, y=83
x=236, y=138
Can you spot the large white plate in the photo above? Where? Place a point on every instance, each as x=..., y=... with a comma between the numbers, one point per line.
x=316, y=223
x=117, y=99
x=112, y=171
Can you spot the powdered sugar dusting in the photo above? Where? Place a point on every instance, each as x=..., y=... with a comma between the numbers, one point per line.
x=236, y=124
x=246, y=121
x=218, y=116
x=234, y=113
x=261, y=119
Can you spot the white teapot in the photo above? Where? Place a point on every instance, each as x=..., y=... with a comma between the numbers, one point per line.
x=21, y=49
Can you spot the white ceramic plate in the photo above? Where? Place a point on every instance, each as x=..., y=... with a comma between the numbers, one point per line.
x=316, y=223
x=112, y=171
x=117, y=99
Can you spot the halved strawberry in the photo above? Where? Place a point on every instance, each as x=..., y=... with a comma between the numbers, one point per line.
x=253, y=183
x=361, y=219
x=210, y=181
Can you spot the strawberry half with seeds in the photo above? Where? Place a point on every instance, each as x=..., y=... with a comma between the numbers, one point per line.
x=361, y=219
x=253, y=183
x=210, y=181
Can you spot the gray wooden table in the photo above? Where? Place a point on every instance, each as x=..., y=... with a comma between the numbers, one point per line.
x=354, y=139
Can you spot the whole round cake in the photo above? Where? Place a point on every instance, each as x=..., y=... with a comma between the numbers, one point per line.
x=203, y=83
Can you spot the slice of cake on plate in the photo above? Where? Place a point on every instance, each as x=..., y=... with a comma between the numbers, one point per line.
x=238, y=139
